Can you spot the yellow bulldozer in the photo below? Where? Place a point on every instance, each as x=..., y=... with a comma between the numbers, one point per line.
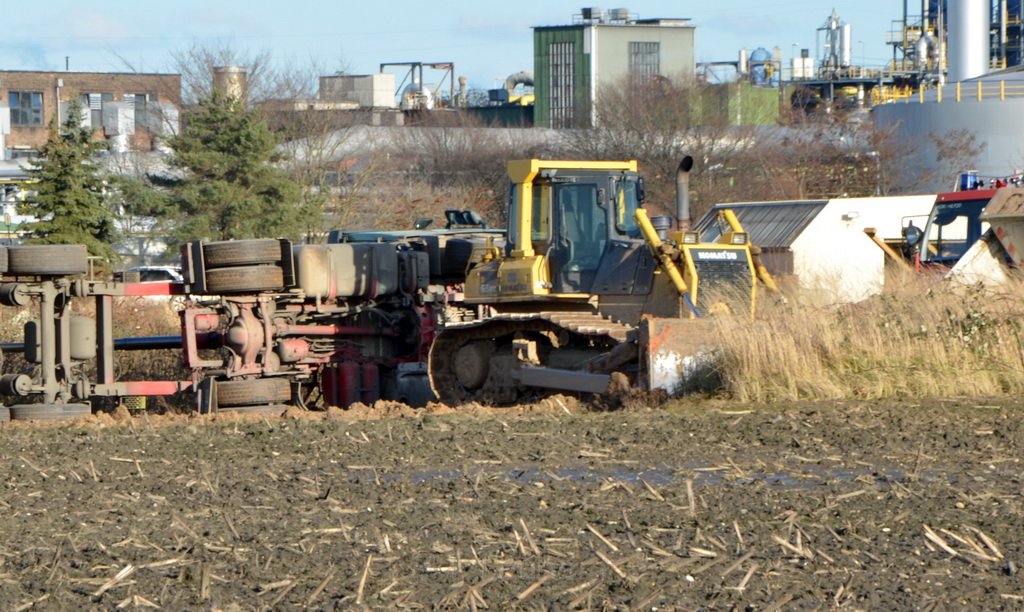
x=587, y=286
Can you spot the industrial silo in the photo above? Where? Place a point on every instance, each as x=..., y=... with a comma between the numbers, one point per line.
x=989, y=108
x=761, y=67
x=231, y=81
x=968, y=26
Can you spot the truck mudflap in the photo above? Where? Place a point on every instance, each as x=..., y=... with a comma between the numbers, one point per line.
x=678, y=355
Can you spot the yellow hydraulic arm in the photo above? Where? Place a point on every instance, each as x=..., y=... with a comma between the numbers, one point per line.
x=763, y=274
x=652, y=238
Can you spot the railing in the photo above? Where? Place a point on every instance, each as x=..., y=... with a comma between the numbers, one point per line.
x=950, y=93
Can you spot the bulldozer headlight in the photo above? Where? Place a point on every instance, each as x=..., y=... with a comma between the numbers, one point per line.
x=740, y=238
x=691, y=238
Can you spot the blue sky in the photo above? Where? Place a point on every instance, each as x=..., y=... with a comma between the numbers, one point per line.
x=486, y=40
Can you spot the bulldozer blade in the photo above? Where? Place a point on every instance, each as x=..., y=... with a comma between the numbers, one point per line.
x=565, y=380
x=677, y=355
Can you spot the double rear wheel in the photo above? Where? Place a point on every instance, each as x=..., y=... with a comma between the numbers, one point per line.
x=243, y=266
x=48, y=412
x=45, y=259
x=256, y=396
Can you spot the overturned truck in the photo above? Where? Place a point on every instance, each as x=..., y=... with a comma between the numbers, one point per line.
x=264, y=322
x=327, y=324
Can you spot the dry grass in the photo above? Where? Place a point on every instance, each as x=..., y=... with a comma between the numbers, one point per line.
x=925, y=339
x=135, y=318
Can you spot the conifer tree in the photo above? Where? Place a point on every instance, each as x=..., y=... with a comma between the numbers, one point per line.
x=68, y=197
x=231, y=187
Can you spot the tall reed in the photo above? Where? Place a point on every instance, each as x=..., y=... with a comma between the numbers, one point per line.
x=925, y=338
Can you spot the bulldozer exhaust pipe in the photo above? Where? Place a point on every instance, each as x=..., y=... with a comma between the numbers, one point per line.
x=683, y=194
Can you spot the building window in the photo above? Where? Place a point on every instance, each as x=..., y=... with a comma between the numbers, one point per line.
x=26, y=107
x=142, y=103
x=644, y=59
x=140, y=100
x=94, y=102
x=563, y=73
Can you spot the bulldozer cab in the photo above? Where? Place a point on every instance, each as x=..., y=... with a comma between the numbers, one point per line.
x=581, y=234
x=573, y=210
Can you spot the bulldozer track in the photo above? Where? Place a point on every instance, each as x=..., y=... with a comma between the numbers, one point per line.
x=582, y=325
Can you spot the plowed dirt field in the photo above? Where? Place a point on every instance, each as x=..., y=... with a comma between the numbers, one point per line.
x=689, y=506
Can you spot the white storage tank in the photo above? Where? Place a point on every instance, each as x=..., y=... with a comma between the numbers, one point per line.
x=968, y=50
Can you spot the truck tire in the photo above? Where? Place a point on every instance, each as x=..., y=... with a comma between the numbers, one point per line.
x=241, y=253
x=235, y=393
x=457, y=252
x=48, y=412
x=268, y=409
x=5, y=414
x=47, y=259
x=3, y=259
x=245, y=279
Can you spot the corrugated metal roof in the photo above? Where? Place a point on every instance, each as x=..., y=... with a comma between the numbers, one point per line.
x=770, y=224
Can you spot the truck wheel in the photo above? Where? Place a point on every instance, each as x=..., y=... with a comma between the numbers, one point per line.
x=241, y=252
x=5, y=414
x=3, y=259
x=243, y=279
x=457, y=252
x=47, y=259
x=48, y=412
x=235, y=393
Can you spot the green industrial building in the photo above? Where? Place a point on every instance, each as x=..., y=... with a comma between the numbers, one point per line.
x=571, y=62
x=741, y=103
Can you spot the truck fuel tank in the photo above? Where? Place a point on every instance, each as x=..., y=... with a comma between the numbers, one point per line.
x=351, y=270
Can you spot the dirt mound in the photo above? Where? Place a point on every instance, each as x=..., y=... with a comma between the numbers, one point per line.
x=381, y=409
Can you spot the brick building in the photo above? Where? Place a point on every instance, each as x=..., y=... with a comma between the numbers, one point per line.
x=130, y=110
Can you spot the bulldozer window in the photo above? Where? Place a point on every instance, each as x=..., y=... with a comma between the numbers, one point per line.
x=541, y=222
x=582, y=229
x=626, y=203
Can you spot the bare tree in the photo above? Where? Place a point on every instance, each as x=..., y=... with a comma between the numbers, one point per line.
x=810, y=158
x=956, y=151
x=456, y=155
x=332, y=169
x=196, y=65
x=142, y=210
x=657, y=122
x=293, y=81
